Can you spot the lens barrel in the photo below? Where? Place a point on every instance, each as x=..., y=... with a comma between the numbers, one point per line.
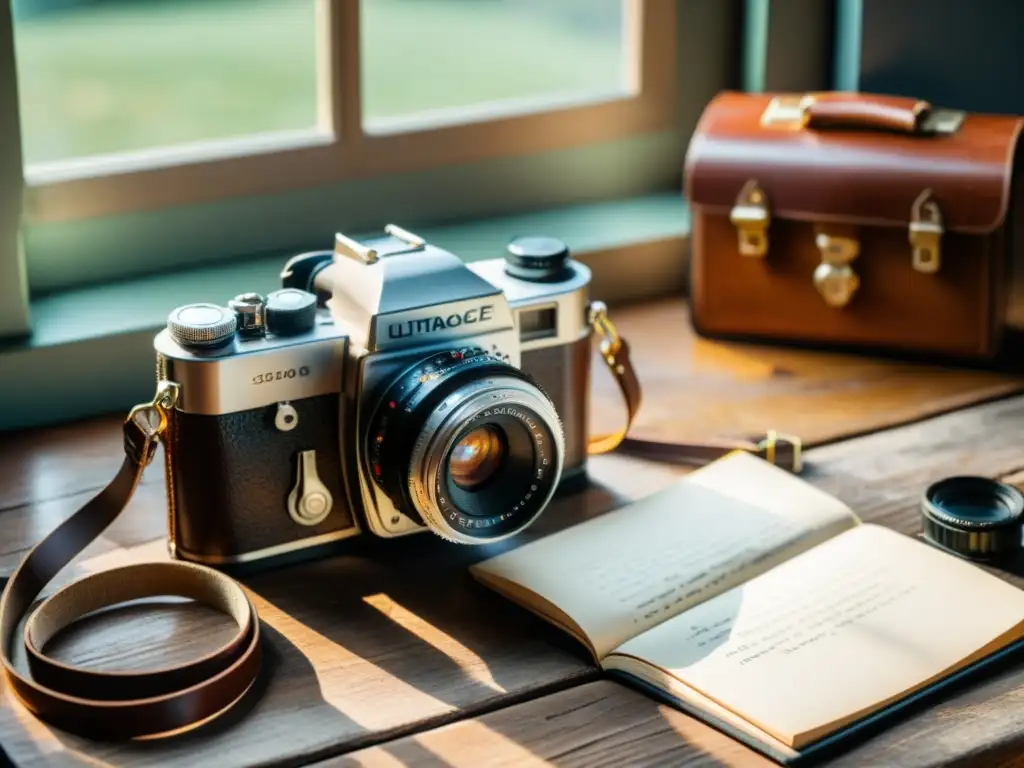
x=467, y=445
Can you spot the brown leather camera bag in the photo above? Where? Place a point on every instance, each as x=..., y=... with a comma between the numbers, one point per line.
x=854, y=220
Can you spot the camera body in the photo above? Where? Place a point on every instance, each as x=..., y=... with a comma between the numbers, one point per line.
x=388, y=388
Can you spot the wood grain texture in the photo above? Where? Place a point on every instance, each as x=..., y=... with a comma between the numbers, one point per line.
x=607, y=724
x=594, y=725
x=882, y=477
x=394, y=638
x=698, y=389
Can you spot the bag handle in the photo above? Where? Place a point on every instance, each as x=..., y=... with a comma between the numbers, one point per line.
x=121, y=705
x=840, y=110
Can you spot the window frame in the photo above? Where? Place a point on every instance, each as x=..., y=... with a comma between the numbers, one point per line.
x=339, y=148
x=789, y=45
x=14, y=311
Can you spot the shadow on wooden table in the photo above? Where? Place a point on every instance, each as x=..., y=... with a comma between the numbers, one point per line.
x=383, y=640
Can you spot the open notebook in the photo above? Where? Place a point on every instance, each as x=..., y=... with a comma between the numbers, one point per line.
x=762, y=605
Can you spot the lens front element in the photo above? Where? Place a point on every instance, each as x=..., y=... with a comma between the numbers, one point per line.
x=467, y=445
x=476, y=457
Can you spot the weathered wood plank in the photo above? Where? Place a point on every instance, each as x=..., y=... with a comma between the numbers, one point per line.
x=39, y=465
x=696, y=389
x=348, y=666
x=593, y=725
x=607, y=724
x=23, y=526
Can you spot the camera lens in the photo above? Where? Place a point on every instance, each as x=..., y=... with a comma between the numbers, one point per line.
x=477, y=457
x=466, y=444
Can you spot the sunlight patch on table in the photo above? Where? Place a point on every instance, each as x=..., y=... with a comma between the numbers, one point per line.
x=151, y=552
x=728, y=752
x=366, y=694
x=467, y=660
x=471, y=744
x=377, y=758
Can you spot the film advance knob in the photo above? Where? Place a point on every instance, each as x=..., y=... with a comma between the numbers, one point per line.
x=290, y=311
x=202, y=325
x=539, y=259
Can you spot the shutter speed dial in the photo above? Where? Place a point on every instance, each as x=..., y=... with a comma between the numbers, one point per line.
x=202, y=325
x=291, y=311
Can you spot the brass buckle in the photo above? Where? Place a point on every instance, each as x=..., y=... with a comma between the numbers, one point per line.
x=789, y=111
x=767, y=449
x=925, y=233
x=605, y=329
x=150, y=422
x=834, y=277
x=751, y=217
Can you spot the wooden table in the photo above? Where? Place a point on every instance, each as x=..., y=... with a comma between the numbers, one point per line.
x=392, y=655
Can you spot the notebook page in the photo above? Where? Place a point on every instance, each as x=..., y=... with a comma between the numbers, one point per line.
x=624, y=572
x=835, y=633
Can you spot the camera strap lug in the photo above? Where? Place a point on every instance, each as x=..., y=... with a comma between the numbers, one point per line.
x=780, y=449
x=615, y=352
x=122, y=705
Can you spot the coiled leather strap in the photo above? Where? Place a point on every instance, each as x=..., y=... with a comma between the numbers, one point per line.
x=119, y=705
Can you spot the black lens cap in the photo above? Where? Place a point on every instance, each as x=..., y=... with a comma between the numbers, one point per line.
x=974, y=517
x=538, y=259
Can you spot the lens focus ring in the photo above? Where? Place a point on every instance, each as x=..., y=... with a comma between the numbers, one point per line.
x=530, y=476
x=469, y=398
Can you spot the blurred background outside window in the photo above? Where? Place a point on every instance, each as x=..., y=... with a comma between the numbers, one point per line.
x=106, y=76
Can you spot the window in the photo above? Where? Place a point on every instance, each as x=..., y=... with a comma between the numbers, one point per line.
x=164, y=134
x=462, y=59
x=103, y=78
x=135, y=104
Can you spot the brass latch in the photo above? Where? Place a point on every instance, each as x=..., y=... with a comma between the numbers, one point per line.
x=751, y=217
x=834, y=277
x=925, y=233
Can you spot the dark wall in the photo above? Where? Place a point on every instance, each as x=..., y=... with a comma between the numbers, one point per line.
x=967, y=54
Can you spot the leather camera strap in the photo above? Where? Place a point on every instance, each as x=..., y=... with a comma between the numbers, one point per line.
x=120, y=705
x=781, y=450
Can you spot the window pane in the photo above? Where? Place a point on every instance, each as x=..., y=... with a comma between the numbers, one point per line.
x=421, y=56
x=100, y=76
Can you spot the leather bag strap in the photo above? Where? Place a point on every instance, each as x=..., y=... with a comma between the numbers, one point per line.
x=120, y=705
x=781, y=450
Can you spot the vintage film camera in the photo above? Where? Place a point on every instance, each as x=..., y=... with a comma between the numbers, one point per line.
x=387, y=387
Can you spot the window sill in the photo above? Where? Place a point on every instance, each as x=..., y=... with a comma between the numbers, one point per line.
x=91, y=350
